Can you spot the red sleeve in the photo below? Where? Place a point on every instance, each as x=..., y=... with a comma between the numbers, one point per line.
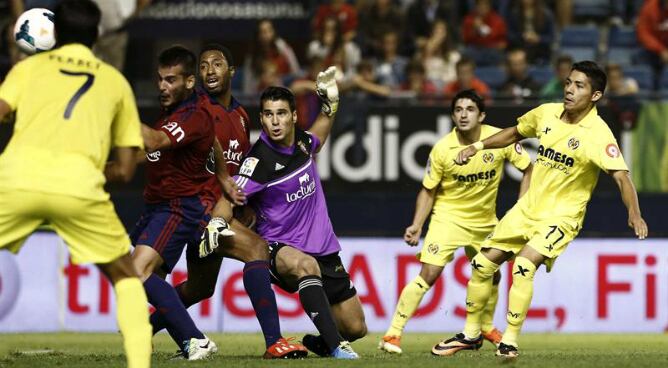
x=647, y=23
x=320, y=16
x=351, y=19
x=190, y=128
x=468, y=33
x=249, y=125
x=499, y=31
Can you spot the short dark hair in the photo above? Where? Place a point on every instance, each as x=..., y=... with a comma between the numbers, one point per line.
x=465, y=60
x=470, y=95
x=178, y=55
x=596, y=75
x=218, y=47
x=275, y=93
x=76, y=21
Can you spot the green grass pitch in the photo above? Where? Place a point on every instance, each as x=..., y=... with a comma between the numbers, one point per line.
x=244, y=350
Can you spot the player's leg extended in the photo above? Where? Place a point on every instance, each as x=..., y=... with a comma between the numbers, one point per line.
x=248, y=247
x=302, y=272
x=131, y=310
x=408, y=302
x=19, y=217
x=479, y=289
x=489, y=332
x=519, y=297
x=163, y=296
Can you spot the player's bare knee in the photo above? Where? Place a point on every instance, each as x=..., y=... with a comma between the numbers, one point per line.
x=430, y=273
x=307, y=266
x=356, y=331
x=258, y=251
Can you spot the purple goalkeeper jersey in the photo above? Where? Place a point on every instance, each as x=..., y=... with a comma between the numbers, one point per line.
x=284, y=189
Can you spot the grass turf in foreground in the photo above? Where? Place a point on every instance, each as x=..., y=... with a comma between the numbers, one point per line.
x=244, y=350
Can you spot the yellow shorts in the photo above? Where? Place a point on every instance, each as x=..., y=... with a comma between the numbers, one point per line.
x=90, y=228
x=549, y=237
x=445, y=237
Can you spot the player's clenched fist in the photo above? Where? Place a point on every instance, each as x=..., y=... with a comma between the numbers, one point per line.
x=328, y=91
x=412, y=235
x=217, y=227
x=464, y=155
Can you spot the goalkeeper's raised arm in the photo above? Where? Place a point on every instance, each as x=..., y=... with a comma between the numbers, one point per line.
x=328, y=92
x=501, y=139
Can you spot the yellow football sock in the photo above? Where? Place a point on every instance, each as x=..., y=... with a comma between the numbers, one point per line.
x=478, y=292
x=410, y=299
x=132, y=316
x=519, y=299
x=487, y=316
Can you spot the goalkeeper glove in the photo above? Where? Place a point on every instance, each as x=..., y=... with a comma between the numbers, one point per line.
x=328, y=91
x=216, y=227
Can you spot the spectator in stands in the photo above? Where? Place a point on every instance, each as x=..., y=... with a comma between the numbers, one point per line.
x=466, y=79
x=113, y=41
x=376, y=21
x=364, y=85
x=269, y=54
x=345, y=13
x=531, y=25
x=652, y=29
x=564, y=11
x=484, y=28
x=554, y=89
x=391, y=66
x=618, y=84
x=9, y=12
x=420, y=17
x=440, y=55
x=306, y=99
x=333, y=49
x=417, y=82
x=519, y=84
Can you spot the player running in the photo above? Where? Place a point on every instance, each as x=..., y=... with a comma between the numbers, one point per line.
x=71, y=108
x=575, y=144
x=280, y=178
x=462, y=203
x=232, y=131
x=178, y=147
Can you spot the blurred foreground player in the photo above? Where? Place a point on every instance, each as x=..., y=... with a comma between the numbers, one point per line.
x=178, y=146
x=71, y=109
x=231, y=125
x=574, y=145
x=279, y=176
x=462, y=204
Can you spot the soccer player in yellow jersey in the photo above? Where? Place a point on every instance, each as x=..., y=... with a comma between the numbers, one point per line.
x=71, y=108
x=575, y=144
x=462, y=201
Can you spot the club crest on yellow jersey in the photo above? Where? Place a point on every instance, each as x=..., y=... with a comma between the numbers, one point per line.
x=488, y=157
x=573, y=143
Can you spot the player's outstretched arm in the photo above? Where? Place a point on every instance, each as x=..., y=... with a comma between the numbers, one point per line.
x=423, y=205
x=328, y=92
x=501, y=139
x=630, y=198
x=122, y=169
x=154, y=140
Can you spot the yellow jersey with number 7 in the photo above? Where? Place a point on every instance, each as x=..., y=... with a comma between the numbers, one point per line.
x=71, y=108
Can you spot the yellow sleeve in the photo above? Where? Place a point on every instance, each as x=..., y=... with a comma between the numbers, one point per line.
x=14, y=85
x=517, y=156
x=435, y=169
x=126, y=131
x=527, y=124
x=605, y=152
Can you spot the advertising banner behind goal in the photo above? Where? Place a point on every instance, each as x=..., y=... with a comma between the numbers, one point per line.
x=597, y=285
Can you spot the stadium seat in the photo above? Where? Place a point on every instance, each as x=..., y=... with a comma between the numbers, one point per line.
x=541, y=74
x=484, y=56
x=663, y=81
x=642, y=74
x=581, y=42
x=622, y=45
x=238, y=80
x=493, y=76
x=584, y=9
